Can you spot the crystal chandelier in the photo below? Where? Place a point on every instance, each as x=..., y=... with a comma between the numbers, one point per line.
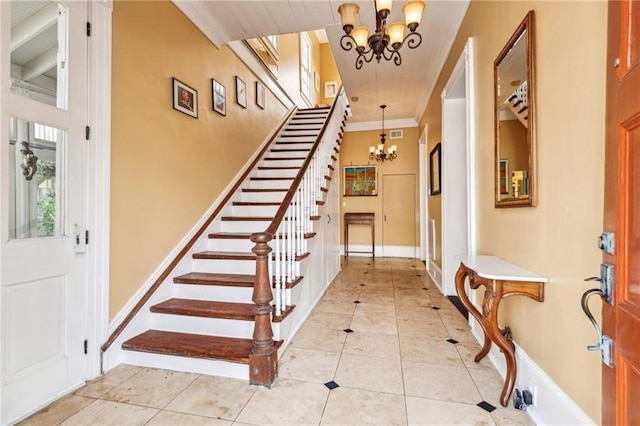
x=377, y=153
x=385, y=42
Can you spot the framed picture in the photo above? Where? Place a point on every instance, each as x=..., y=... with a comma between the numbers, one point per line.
x=259, y=94
x=219, y=95
x=185, y=98
x=360, y=180
x=435, y=177
x=330, y=89
x=241, y=92
x=503, y=176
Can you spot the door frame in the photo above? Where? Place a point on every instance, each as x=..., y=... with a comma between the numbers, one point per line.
x=424, y=196
x=98, y=181
x=462, y=72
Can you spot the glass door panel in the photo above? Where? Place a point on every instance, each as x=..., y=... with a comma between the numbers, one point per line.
x=36, y=189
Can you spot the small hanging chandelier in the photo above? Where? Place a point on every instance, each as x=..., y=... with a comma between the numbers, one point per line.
x=377, y=153
x=385, y=42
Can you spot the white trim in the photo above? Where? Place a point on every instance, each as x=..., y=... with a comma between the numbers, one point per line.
x=553, y=405
x=381, y=251
x=435, y=273
x=458, y=226
x=247, y=56
x=200, y=14
x=423, y=200
x=98, y=185
x=375, y=125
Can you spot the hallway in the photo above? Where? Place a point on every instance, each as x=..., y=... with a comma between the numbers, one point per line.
x=391, y=347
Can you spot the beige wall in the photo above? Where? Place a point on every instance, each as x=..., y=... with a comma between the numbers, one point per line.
x=354, y=151
x=167, y=168
x=556, y=238
x=328, y=71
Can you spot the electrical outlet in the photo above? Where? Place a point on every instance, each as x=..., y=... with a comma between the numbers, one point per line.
x=533, y=388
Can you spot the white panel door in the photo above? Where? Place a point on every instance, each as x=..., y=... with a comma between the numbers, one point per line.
x=43, y=283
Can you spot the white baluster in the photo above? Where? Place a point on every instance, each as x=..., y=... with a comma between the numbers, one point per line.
x=277, y=287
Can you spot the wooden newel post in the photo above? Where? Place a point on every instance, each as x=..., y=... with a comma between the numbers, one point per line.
x=263, y=360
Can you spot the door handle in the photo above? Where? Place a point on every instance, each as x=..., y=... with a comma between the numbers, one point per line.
x=604, y=342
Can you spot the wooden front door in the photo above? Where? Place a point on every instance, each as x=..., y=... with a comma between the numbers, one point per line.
x=621, y=320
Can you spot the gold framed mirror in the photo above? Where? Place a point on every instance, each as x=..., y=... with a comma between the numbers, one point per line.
x=514, y=115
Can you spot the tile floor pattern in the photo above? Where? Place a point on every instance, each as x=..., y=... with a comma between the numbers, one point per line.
x=389, y=355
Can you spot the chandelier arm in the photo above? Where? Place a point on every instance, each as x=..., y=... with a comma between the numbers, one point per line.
x=413, y=40
x=388, y=51
x=347, y=42
x=397, y=59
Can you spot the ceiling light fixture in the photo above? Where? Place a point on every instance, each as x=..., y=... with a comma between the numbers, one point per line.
x=385, y=42
x=377, y=153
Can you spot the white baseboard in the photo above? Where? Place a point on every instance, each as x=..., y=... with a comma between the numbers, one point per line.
x=382, y=251
x=435, y=273
x=553, y=406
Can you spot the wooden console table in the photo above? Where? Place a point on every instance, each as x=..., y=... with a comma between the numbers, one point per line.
x=500, y=279
x=359, y=219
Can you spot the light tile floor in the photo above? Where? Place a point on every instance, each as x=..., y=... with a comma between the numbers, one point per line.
x=380, y=333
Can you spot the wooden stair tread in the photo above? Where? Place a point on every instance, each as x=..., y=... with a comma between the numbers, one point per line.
x=206, y=309
x=271, y=178
x=264, y=190
x=256, y=203
x=191, y=345
x=246, y=218
x=279, y=167
x=225, y=255
x=211, y=278
x=231, y=235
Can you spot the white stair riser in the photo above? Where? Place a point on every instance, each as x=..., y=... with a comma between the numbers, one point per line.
x=291, y=173
x=199, y=325
x=222, y=244
x=282, y=163
x=224, y=266
x=213, y=292
x=253, y=211
x=275, y=196
x=292, y=145
x=268, y=184
x=189, y=365
x=242, y=226
x=296, y=139
x=287, y=154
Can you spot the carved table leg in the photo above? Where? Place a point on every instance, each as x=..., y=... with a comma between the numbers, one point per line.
x=463, y=273
x=490, y=304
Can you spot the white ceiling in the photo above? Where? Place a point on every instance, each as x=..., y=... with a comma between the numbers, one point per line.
x=405, y=89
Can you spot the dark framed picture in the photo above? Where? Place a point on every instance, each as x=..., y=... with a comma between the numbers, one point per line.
x=259, y=94
x=360, y=180
x=435, y=177
x=219, y=95
x=185, y=98
x=241, y=92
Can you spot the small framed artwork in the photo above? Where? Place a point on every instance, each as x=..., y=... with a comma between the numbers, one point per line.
x=435, y=177
x=330, y=89
x=241, y=92
x=360, y=180
x=259, y=94
x=185, y=98
x=503, y=175
x=219, y=95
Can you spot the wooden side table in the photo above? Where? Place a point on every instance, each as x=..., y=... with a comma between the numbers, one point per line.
x=500, y=279
x=359, y=219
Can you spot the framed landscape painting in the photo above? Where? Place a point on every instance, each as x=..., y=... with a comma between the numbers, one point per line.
x=360, y=180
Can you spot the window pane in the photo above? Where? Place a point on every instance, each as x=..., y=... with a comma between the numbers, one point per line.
x=35, y=192
x=38, y=51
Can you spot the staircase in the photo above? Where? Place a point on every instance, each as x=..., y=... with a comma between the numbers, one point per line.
x=221, y=308
x=517, y=104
